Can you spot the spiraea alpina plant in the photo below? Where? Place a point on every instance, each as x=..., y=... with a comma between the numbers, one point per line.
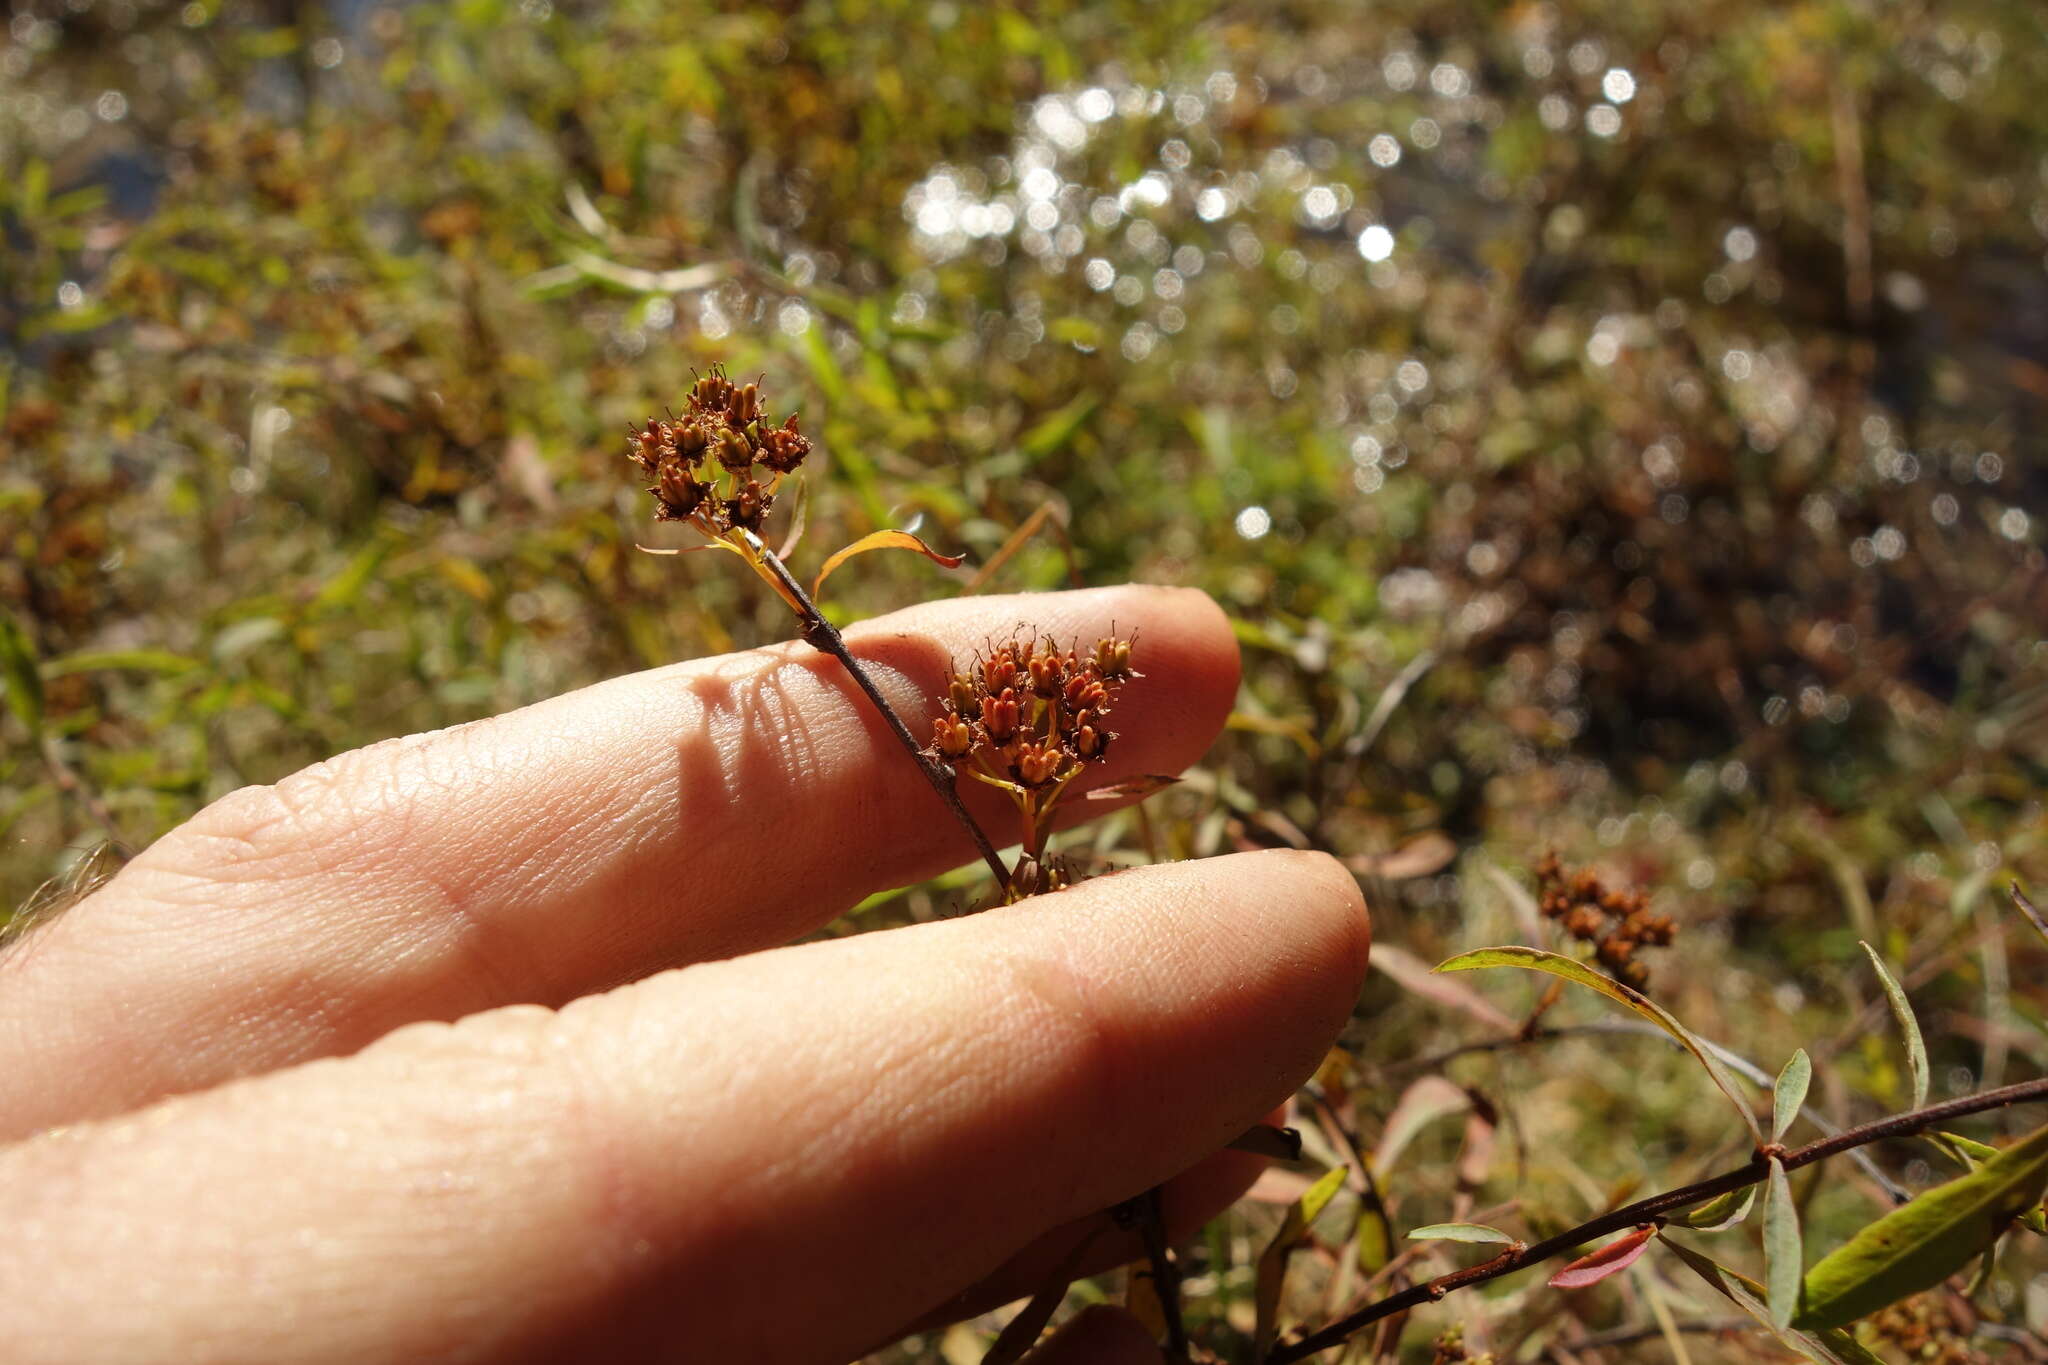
x=1029, y=719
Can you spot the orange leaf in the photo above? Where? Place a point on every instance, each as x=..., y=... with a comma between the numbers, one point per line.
x=1596, y=1266
x=883, y=540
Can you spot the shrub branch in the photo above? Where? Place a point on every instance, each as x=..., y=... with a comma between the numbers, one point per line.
x=1654, y=1209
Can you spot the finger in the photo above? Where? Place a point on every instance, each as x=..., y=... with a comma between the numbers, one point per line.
x=862, y=1126
x=672, y=816
x=1100, y=1335
x=1187, y=1202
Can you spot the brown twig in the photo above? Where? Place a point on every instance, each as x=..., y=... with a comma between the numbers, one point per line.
x=822, y=635
x=1654, y=1209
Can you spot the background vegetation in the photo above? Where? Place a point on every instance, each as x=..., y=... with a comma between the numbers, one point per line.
x=1616, y=427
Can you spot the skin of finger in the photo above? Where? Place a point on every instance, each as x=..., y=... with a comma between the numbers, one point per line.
x=683, y=814
x=776, y=1158
x=1100, y=1335
x=1188, y=1201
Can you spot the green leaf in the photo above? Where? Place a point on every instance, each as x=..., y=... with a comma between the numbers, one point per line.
x=1831, y=1347
x=1272, y=1275
x=1790, y=1093
x=1902, y=1010
x=1460, y=1232
x=1784, y=1252
x=1970, y=1154
x=1535, y=959
x=1722, y=1211
x=160, y=661
x=1920, y=1244
x=20, y=676
x=1375, y=1240
x=1054, y=432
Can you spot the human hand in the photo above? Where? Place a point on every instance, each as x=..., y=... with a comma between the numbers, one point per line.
x=240, y=1128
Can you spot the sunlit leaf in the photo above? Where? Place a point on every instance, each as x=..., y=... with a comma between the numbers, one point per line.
x=1920, y=1244
x=882, y=540
x=1902, y=1010
x=1272, y=1273
x=1722, y=1211
x=1790, y=1093
x=1054, y=432
x=1970, y=1154
x=1831, y=1347
x=1784, y=1252
x=1535, y=959
x=1618, y=1255
x=1460, y=1232
x=1411, y=974
x=1374, y=1238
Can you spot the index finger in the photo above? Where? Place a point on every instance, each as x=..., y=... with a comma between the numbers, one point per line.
x=686, y=813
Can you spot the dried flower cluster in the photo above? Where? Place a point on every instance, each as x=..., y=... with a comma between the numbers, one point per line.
x=1028, y=719
x=1935, y=1326
x=1615, y=922
x=702, y=464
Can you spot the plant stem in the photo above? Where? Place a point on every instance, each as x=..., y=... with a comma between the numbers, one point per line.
x=1655, y=1208
x=821, y=635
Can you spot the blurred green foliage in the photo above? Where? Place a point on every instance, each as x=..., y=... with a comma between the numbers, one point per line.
x=1613, y=426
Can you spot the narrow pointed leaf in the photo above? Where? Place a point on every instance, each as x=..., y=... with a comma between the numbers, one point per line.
x=1617, y=1256
x=882, y=540
x=1790, y=1093
x=1535, y=959
x=797, y=519
x=1272, y=1274
x=1920, y=1244
x=1831, y=1347
x=1784, y=1252
x=1902, y=1010
x=1723, y=1211
x=1970, y=1154
x=1375, y=1240
x=1460, y=1232
x=1132, y=786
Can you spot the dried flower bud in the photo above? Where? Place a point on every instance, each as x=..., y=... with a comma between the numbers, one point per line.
x=1000, y=671
x=1085, y=692
x=951, y=735
x=961, y=694
x=1036, y=764
x=1047, y=674
x=677, y=495
x=1090, y=741
x=712, y=393
x=733, y=451
x=1001, y=715
x=690, y=440
x=1113, y=659
x=746, y=507
x=783, y=448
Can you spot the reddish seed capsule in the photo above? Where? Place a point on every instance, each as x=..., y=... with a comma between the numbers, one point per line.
x=1001, y=669
x=1047, y=677
x=679, y=494
x=1113, y=658
x=1085, y=692
x=960, y=691
x=1036, y=764
x=747, y=507
x=734, y=452
x=1000, y=716
x=951, y=736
